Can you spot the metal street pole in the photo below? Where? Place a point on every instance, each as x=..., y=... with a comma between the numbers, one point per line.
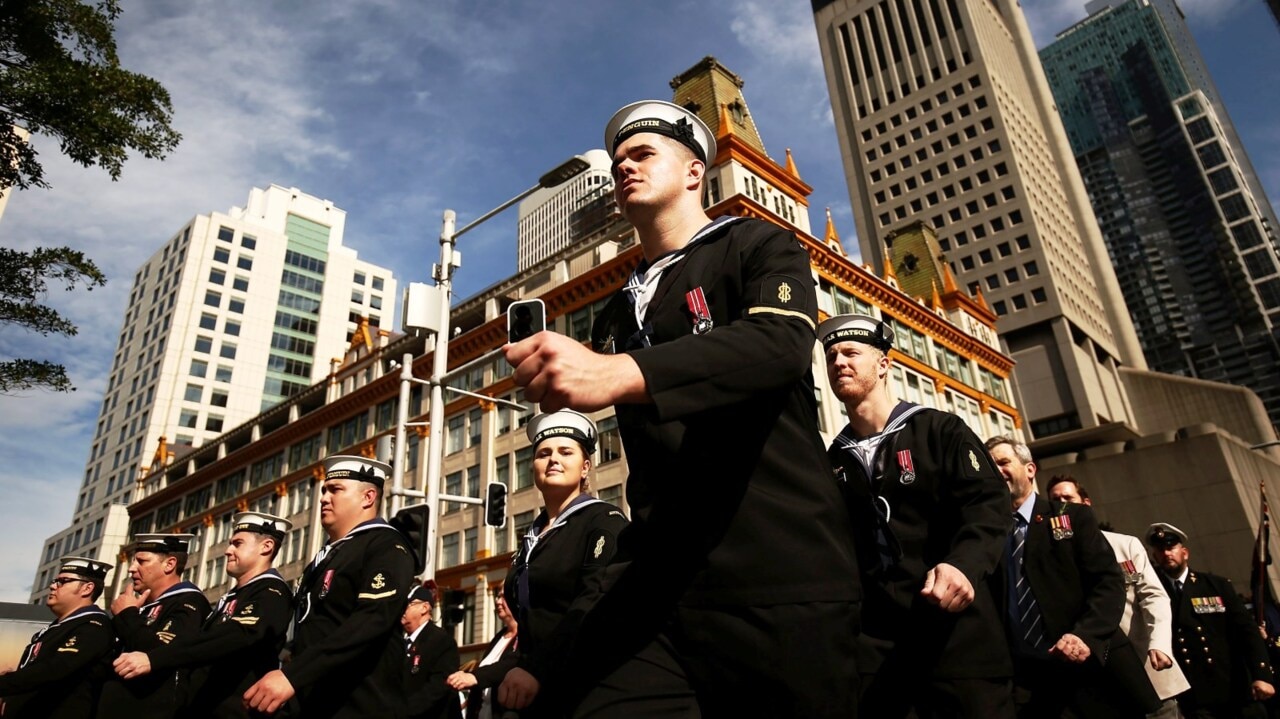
x=443, y=276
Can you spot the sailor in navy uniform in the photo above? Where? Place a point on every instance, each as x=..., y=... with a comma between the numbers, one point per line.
x=166, y=610
x=241, y=639
x=430, y=656
x=739, y=541
x=55, y=677
x=931, y=519
x=1215, y=640
x=347, y=649
x=555, y=575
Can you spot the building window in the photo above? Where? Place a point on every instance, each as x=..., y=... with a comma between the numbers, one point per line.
x=248, y=242
x=213, y=424
x=524, y=468
x=218, y=399
x=358, y=278
x=226, y=234
x=203, y=344
x=449, y=550
x=455, y=434
x=232, y=328
x=221, y=254
x=223, y=374
x=227, y=350
x=236, y=306
x=244, y=262
x=188, y=418
x=377, y=284
x=217, y=276
x=609, y=440
x=199, y=368
x=194, y=393
x=240, y=284
x=212, y=299
x=208, y=321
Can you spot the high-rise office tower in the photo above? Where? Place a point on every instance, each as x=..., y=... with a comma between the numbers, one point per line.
x=943, y=114
x=1182, y=212
x=235, y=313
x=553, y=218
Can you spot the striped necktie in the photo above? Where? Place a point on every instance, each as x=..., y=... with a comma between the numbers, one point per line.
x=1024, y=611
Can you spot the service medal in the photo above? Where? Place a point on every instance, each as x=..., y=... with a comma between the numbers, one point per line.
x=905, y=464
x=1061, y=526
x=696, y=299
x=154, y=614
x=416, y=660
x=324, y=586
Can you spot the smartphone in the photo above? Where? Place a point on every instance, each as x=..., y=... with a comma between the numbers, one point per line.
x=525, y=319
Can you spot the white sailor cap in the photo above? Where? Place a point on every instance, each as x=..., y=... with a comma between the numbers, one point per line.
x=163, y=543
x=856, y=328
x=85, y=568
x=341, y=466
x=565, y=423
x=1163, y=534
x=261, y=523
x=661, y=118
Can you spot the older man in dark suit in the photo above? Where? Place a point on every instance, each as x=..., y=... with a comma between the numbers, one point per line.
x=1065, y=597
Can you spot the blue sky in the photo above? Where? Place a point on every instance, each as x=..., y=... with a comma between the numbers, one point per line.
x=398, y=110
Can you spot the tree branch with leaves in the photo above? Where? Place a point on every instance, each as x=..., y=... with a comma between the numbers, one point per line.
x=60, y=77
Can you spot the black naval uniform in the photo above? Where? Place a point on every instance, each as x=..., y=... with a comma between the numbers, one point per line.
x=948, y=504
x=555, y=579
x=174, y=616
x=239, y=642
x=1217, y=645
x=428, y=660
x=347, y=642
x=55, y=678
x=739, y=556
x=1079, y=589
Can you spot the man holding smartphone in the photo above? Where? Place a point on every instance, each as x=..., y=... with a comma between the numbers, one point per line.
x=738, y=568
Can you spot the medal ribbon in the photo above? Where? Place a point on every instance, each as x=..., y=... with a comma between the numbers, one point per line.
x=697, y=302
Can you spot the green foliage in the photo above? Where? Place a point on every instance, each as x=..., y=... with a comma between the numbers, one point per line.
x=24, y=283
x=60, y=76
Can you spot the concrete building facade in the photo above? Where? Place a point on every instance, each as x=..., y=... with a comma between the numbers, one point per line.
x=234, y=314
x=553, y=218
x=943, y=115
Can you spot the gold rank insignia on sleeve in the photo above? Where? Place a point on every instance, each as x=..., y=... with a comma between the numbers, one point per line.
x=249, y=621
x=784, y=292
x=599, y=548
x=378, y=582
x=165, y=637
x=248, y=609
x=973, y=460
x=69, y=646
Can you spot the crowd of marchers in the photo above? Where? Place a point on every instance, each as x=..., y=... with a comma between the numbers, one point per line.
x=908, y=569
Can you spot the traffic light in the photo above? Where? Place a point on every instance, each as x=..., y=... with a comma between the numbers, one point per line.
x=453, y=608
x=495, y=505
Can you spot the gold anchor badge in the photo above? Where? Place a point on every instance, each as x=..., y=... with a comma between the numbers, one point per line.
x=784, y=292
x=973, y=460
x=599, y=548
x=378, y=581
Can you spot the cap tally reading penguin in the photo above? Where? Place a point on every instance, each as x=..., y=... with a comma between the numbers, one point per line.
x=163, y=543
x=260, y=523
x=565, y=423
x=84, y=568
x=341, y=466
x=856, y=328
x=661, y=118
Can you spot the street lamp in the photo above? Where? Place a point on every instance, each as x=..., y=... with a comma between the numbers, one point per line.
x=423, y=302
